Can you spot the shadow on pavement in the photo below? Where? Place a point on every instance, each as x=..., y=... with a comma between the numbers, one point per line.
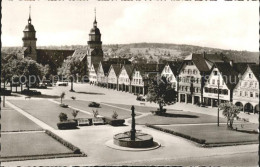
x=179, y=115
x=91, y=93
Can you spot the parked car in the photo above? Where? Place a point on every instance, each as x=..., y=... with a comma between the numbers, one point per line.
x=62, y=83
x=140, y=98
x=47, y=82
x=94, y=104
x=30, y=92
x=42, y=86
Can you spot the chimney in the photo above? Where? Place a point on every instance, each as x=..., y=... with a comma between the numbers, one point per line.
x=231, y=62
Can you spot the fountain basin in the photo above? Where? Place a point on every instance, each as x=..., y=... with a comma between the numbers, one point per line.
x=142, y=140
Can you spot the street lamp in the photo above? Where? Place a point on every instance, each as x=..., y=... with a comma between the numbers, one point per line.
x=191, y=86
x=218, y=96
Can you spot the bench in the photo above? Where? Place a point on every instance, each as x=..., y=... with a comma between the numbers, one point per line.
x=83, y=121
x=98, y=120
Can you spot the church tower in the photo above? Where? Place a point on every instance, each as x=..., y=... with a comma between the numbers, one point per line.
x=29, y=39
x=95, y=45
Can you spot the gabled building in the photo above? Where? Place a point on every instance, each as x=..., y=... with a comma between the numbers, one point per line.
x=246, y=92
x=141, y=75
x=222, y=79
x=93, y=74
x=192, y=73
x=170, y=72
x=102, y=73
x=112, y=77
x=124, y=79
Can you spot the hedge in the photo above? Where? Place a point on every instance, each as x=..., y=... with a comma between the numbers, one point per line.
x=114, y=122
x=200, y=141
x=75, y=149
x=69, y=124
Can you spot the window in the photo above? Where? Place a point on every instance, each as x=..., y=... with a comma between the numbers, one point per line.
x=223, y=82
x=245, y=84
x=251, y=84
x=215, y=72
x=240, y=93
x=206, y=90
x=213, y=81
x=194, y=71
x=250, y=75
x=246, y=93
x=256, y=95
x=251, y=94
x=255, y=84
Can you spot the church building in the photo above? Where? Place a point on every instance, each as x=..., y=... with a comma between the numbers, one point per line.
x=92, y=54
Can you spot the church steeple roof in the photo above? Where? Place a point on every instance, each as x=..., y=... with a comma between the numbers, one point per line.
x=95, y=30
x=95, y=21
x=29, y=20
x=29, y=26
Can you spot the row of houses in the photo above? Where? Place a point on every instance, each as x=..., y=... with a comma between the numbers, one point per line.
x=198, y=79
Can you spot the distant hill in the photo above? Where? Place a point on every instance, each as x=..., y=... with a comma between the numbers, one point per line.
x=157, y=52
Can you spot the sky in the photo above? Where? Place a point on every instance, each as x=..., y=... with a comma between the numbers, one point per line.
x=226, y=25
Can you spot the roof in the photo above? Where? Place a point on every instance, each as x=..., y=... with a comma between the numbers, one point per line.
x=117, y=68
x=129, y=69
x=119, y=60
x=215, y=58
x=255, y=70
x=200, y=62
x=95, y=65
x=105, y=65
x=241, y=67
x=80, y=53
x=54, y=58
x=29, y=27
x=144, y=68
x=95, y=31
x=230, y=76
x=174, y=65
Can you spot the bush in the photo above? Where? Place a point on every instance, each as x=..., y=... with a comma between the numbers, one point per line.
x=64, y=105
x=75, y=149
x=63, y=117
x=69, y=124
x=94, y=104
x=158, y=112
x=114, y=122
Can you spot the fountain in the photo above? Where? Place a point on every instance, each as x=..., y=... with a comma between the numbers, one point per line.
x=133, y=138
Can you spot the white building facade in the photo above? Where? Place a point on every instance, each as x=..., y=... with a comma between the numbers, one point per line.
x=246, y=92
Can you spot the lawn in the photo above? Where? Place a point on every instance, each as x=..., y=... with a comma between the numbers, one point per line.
x=28, y=144
x=104, y=110
x=178, y=117
x=12, y=120
x=217, y=135
x=46, y=111
x=142, y=109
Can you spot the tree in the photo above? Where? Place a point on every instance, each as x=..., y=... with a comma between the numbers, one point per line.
x=62, y=97
x=230, y=111
x=30, y=69
x=161, y=92
x=63, y=117
x=72, y=67
x=75, y=113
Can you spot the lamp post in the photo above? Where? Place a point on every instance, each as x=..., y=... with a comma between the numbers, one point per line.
x=191, y=87
x=218, y=96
